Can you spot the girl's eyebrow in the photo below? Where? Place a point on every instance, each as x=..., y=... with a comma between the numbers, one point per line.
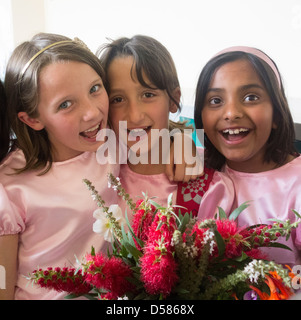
x=241, y=88
x=252, y=86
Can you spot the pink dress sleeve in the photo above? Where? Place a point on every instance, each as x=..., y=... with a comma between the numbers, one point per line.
x=11, y=220
x=220, y=193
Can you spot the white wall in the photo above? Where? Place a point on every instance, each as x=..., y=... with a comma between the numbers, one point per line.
x=6, y=31
x=192, y=30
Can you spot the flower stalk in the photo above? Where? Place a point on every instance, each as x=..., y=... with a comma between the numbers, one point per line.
x=101, y=204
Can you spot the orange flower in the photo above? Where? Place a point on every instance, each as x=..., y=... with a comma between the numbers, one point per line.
x=291, y=274
x=278, y=291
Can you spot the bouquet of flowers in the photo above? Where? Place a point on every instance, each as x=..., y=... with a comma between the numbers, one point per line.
x=163, y=255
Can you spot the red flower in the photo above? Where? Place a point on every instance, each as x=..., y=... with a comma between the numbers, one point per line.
x=108, y=273
x=256, y=254
x=158, y=273
x=62, y=280
x=229, y=232
x=226, y=228
x=141, y=224
x=158, y=266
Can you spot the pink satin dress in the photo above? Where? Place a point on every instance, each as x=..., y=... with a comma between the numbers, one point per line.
x=272, y=194
x=53, y=215
x=157, y=186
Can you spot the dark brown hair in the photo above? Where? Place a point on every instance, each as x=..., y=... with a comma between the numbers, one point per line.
x=281, y=141
x=150, y=57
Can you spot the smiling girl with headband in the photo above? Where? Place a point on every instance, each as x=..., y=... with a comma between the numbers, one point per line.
x=56, y=104
x=249, y=135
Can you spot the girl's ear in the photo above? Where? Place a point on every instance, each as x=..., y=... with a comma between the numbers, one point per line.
x=173, y=108
x=33, y=123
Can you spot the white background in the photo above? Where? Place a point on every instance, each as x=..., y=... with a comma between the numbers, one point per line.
x=192, y=30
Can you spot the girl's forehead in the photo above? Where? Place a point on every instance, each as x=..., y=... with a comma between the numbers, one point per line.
x=127, y=65
x=237, y=71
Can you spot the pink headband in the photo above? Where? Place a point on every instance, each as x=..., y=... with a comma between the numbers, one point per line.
x=257, y=53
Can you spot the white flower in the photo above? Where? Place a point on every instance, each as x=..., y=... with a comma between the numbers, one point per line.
x=254, y=270
x=102, y=225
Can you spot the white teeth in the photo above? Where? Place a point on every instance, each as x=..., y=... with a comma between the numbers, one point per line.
x=235, y=131
x=92, y=129
x=137, y=130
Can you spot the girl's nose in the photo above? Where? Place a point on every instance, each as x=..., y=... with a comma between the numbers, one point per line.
x=90, y=110
x=233, y=111
x=135, y=113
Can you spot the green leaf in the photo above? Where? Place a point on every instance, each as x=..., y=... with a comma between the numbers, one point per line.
x=139, y=241
x=243, y=257
x=131, y=240
x=91, y=296
x=132, y=250
x=237, y=211
x=124, y=235
x=183, y=222
x=169, y=199
x=141, y=296
x=279, y=245
x=297, y=214
x=220, y=243
x=221, y=213
x=155, y=204
x=71, y=296
x=92, y=251
x=181, y=290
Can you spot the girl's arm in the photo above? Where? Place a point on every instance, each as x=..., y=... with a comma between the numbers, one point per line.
x=185, y=161
x=8, y=265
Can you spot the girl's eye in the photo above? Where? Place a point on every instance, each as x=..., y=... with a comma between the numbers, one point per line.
x=116, y=100
x=148, y=94
x=95, y=88
x=65, y=105
x=215, y=101
x=251, y=98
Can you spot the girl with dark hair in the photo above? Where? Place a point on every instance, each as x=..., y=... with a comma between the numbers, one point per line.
x=249, y=135
x=143, y=88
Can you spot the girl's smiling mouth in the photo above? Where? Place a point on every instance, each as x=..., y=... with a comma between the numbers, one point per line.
x=234, y=134
x=139, y=133
x=92, y=132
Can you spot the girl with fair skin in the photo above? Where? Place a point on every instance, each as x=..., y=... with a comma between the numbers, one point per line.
x=241, y=105
x=135, y=97
x=57, y=105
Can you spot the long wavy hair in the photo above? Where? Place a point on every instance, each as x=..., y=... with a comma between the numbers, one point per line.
x=22, y=91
